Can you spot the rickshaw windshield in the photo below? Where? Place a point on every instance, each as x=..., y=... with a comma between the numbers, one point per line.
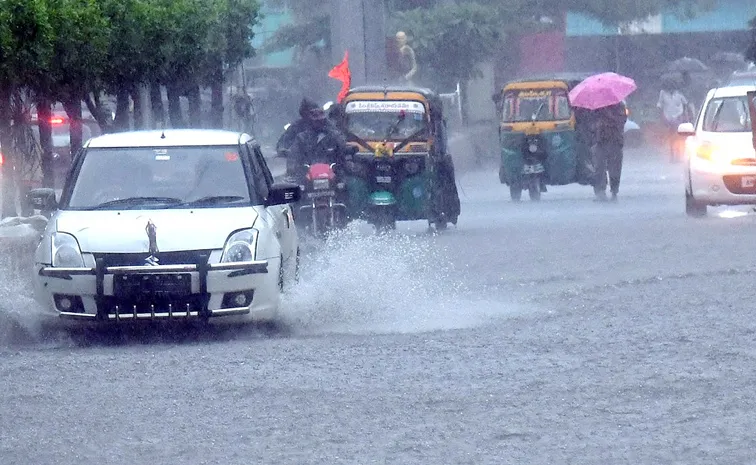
x=373, y=120
x=536, y=105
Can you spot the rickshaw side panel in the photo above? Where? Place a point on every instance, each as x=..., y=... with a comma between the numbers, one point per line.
x=561, y=162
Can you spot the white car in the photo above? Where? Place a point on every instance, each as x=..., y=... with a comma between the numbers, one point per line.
x=720, y=164
x=167, y=224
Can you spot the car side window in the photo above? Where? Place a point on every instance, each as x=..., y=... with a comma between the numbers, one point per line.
x=262, y=185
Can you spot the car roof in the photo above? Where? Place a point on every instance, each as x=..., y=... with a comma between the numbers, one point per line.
x=169, y=138
x=732, y=91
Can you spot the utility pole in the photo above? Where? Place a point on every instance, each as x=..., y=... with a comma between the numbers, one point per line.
x=359, y=26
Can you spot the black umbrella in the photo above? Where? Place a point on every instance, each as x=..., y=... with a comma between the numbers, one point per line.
x=687, y=64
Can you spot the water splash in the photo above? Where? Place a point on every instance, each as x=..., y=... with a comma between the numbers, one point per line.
x=395, y=283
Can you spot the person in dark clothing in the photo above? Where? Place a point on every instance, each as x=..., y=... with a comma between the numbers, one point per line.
x=314, y=138
x=608, y=142
x=583, y=139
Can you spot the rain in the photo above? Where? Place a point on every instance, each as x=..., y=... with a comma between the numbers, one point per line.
x=590, y=303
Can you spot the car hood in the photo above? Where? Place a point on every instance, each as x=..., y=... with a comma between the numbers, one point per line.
x=124, y=231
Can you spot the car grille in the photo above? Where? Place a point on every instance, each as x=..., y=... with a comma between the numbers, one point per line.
x=190, y=257
x=148, y=305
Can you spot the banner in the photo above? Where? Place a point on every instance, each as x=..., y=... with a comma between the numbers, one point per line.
x=387, y=106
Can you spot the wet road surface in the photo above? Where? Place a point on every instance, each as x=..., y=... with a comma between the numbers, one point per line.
x=566, y=331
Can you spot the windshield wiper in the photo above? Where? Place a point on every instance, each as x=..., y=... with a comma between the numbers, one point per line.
x=213, y=200
x=135, y=201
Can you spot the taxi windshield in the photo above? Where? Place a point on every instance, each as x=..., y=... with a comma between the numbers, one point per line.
x=160, y=177
x=536, y=105
x=374, y=120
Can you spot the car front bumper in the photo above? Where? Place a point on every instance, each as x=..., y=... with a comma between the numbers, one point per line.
x=723, y=185
x=207, y=290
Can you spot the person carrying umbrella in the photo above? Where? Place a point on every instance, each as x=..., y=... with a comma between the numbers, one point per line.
x=603, y=95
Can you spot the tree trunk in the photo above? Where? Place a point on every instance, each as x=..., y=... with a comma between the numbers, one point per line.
x=195, y=106
x=174, y=106
x=138, y=113
x=216, y=105
x=8, y=194
x=73, y=110
x=121, y=122
x=44, y=117
x=102, y=116
x=156, y=99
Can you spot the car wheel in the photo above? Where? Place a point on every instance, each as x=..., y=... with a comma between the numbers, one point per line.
x=693, y=207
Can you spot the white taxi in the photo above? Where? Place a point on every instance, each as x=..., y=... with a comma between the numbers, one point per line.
x=168, y=224
x=720, y=164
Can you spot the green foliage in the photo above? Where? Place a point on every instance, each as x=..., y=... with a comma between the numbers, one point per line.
x=26, y=42
x=450, y=41
x=751, y=51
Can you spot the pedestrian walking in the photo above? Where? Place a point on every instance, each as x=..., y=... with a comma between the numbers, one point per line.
x=675, y=110
x=607, y=146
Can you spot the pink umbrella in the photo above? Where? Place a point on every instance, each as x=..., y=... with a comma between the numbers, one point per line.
x=601, y=90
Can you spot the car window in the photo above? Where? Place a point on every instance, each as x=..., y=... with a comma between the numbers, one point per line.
x=184, y=174
x=729, y=114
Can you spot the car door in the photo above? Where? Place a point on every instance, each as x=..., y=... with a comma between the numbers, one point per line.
x=280, y=214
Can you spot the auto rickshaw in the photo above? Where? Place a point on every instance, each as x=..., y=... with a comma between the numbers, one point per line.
x=543, y=141
x=402, y=170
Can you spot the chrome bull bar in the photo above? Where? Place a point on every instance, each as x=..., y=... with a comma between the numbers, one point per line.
x=139, y=312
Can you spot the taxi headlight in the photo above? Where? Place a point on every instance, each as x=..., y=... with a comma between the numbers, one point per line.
x=240, y=247
x=65, y=251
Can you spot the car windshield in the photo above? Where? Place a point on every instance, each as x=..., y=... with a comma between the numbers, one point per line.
x=375, y=125
x=118, y=178
x=536, y=105
x=729, y=114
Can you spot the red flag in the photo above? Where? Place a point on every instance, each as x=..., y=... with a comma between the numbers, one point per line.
x=341, y=73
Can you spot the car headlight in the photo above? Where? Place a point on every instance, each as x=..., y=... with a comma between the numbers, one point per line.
x=65, y=251
x=240, y=247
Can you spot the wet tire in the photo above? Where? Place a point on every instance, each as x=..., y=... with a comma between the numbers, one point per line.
x=384, y=220
x=534, y=188
x=694, y=208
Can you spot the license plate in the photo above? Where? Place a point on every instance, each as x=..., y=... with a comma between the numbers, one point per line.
x=748, y=181
x=383, y=179
x=314, y=195
x=152, y=285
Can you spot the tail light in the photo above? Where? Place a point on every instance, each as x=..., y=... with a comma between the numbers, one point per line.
x=2, y=159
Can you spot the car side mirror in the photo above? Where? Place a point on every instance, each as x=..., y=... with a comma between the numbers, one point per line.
x=686, y=129
x=282, y=193
x=43, y=199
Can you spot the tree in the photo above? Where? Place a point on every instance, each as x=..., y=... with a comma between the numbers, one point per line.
x=451, y=40
x=26, y=39
x=751, y=51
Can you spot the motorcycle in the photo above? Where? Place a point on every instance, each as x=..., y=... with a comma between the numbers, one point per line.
x=322, y=208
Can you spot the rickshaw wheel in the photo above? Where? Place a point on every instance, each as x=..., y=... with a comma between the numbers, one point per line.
x=534, y=188
x=515, y=192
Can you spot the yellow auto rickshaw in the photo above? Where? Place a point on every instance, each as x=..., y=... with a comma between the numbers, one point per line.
x=402, y=170
x=542, y=137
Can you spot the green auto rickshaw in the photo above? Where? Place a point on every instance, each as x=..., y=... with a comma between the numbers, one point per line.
x=402, y=170
x=543, y=139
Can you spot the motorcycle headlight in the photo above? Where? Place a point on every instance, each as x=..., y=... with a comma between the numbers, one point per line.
x=240, y=247
x=65, y=251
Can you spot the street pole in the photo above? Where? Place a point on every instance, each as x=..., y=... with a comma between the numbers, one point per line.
x=359, y=26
